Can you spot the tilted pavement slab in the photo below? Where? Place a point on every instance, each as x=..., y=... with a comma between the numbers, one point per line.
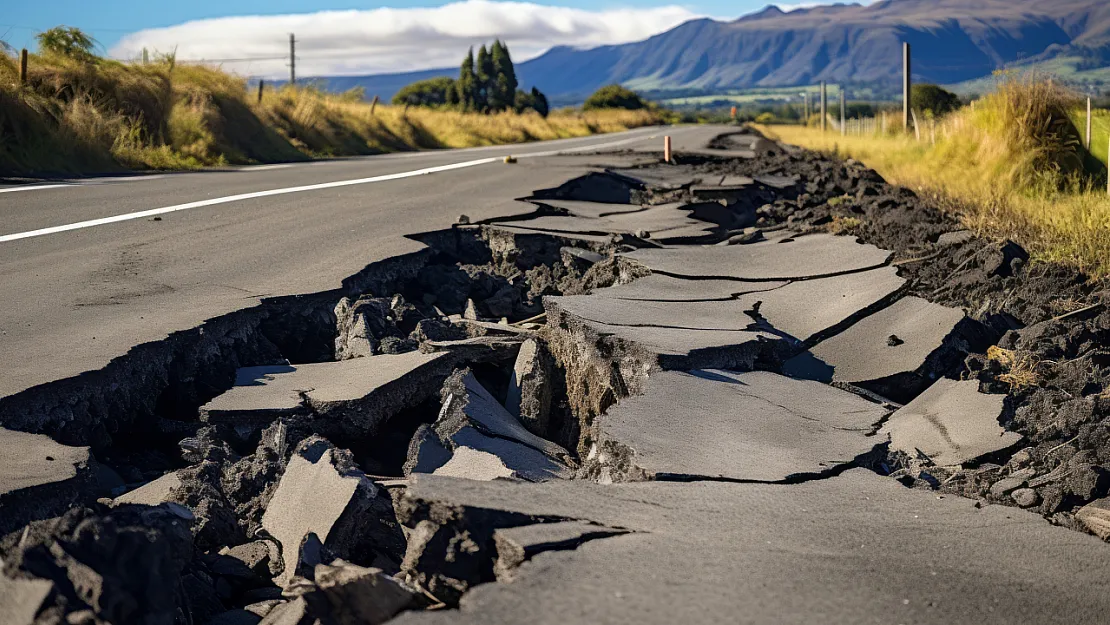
x=755, y=426
x=856, y=548
x=360, y=393
x=812, y=256
x=39, y=477
x=593, y=210
x=896, y=340
x=802, y=309
x=951, y=423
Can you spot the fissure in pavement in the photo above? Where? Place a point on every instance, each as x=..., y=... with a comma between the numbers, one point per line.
x=589, y=402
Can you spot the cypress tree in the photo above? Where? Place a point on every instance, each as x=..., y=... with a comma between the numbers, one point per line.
x=501, y=92
x=486, y=79
x=467, y=84
x=506, y=67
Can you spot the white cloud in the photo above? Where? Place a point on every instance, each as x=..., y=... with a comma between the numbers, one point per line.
x=395, y=40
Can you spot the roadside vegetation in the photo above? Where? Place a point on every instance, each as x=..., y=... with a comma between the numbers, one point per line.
x=1013, y=165
x=78, y=113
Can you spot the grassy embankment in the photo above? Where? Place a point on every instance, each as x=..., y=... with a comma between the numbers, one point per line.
x=75, y=117
x=1014, y=166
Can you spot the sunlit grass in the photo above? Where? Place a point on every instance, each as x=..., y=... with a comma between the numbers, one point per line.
x=82, y=117
x=1012, y=166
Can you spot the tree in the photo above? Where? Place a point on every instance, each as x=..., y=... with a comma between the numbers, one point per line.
x=932, y=98
x=502, y=90
x=68, y=42
x=486, y=78
x=614, y=97
x=540, y=102
x=430, y=92
x=467, y=84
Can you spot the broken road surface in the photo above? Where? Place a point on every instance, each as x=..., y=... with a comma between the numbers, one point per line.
x=641, y=392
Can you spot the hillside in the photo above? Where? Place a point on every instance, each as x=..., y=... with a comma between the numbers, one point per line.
x=954, y=41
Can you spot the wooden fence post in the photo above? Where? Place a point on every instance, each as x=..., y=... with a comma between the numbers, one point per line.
x=1088, y=144
x=824, y=107
x=907, y=87
x=373, y=104
x=667, y=149
x=23, y=66
x=261, y=86
x=843, y=113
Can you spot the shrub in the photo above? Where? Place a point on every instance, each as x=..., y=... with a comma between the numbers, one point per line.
x=614, y=97
x=431, y=92
x=765, y=118
x=931, y=98
x=68, y=42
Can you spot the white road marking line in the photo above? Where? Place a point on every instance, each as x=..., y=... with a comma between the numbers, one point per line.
x=235, y=198
x=265, y=167
x=34, y=188
x=91, y=223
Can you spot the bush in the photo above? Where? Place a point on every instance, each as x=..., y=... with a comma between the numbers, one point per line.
x=765, y=118
x=614, y=97
x=68, y=42
x=931, y=98
x=431, y=92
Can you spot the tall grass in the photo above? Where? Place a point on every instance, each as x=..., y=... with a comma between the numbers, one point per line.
x=1013, y=166
x=78, y=117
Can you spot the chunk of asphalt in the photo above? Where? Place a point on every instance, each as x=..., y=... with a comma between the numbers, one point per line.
x=802, y=310
x=318, y=502
x=152, y=493
x=513, y=459
x=39, y=478
x=807, y=257
x=356, y=396
x=345, y=594
x=706, y=552
x=660, y=287
x=590, y=210
x=21, y=599
x=482, y=410
x=529, y=394
x=426, y=452
x=755, y=426
x=671, y=347
x=864, y=356
x=655, y=220
x=1095, y=516
x=472, y=464
x=951, y=423
x=515, y=545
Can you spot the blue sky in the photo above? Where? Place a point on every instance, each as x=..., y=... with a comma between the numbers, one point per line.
x=350, y=36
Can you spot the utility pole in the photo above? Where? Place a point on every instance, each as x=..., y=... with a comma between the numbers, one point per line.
x=824, y=106
x=906, y=86
x=805, y=121
x=292, y=59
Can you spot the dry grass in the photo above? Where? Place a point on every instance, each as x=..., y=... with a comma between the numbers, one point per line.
x=1021, y=368
x=1014, y=164
x=76, y=117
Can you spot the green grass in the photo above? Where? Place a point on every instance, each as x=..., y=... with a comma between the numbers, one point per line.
x=1100, y=130
x=1064, y=68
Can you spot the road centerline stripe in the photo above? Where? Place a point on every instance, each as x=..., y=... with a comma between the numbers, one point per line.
x=235, y=198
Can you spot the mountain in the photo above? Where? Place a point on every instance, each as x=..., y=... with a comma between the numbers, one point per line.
x=952, y=40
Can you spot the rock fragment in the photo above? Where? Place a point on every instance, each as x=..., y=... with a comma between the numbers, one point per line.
x=21, y=599
x=529, y=395
x=324, y=505
x=951, y=423
x=1095, y=516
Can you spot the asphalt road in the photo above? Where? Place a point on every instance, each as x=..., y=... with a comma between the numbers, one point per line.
x=83, y=278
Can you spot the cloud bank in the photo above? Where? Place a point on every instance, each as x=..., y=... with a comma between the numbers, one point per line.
x=395, y=40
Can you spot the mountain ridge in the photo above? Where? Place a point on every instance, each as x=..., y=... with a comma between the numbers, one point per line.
x=953, y=41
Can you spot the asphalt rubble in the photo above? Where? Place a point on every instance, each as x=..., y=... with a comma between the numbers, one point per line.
x=748, y=319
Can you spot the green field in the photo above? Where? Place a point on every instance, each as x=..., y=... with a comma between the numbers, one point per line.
x=1100, y=126
x=754, y=96
x=1065, y=68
